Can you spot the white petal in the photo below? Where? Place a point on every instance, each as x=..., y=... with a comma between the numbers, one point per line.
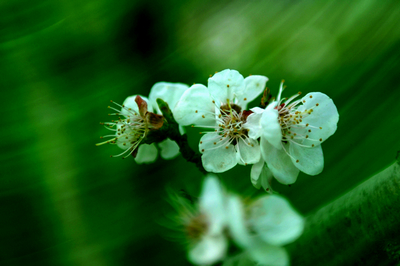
x=253, y=124
x=211, y=141
x=209, y=250
x=168, y=149
x=271, y=127
x=248, y=152
x=219, y=160
x=196, y=98
x=325, y=115
x=130, y=103
x=242, y=259
x=310, y=160
x=182, y=130
x=256, y=172
x=212, y=204
x=266, y=179
x=254, y=86
x=279, y=163
x=225, y=85
x=236, y=222
x=268, y=255
x=257, y=110
x=169, y=92
x=275, y=221
x=146, y=153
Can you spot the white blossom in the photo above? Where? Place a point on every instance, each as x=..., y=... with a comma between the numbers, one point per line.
x=205, y=228
x=291, y=132
x=140, y=117
x=268, y=224
x=221, y=108
x=131, y=130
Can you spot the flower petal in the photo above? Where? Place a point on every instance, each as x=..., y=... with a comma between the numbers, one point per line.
x=146, y=153
x=168, y=149
x=310, y=160
x=279, y=163
x=254, y=86
x=242, y=259
x=218, y=157
x=236, y=222
x=268, y=255
x=266, y=179
x=323, y=119
x=271, y=129
x=248, y=151
x=253, y=124
x=212, y=204
x=169, y=92
x=225, y=85
x=195, y=107
x=275, y=221
x=131, y=103
x=209, y=250
x=255, y=173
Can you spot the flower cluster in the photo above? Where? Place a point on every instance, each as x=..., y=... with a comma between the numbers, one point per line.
x=260, y=228
x=279, y=138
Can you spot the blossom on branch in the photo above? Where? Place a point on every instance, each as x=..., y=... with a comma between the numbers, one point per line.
x=221, y=108
x=268, y=224
x=260, y=228
x=140, y=119
x=205, y=224
x=291, y=132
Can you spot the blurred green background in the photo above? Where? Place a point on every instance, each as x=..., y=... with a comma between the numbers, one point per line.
x=64, y=201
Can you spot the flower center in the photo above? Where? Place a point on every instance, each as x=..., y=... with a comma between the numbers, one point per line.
x=196, y=227
x=129, y=132
x=293, y=128
x=231, y=123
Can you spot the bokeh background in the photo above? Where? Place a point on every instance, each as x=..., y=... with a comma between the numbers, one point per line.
x=64, y=201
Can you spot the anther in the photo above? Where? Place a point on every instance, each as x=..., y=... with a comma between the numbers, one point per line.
x=309, y=130
x=310, y=96
x=317, y=104
x=245, y=99
x=320, y=139
x=227, y=85
x=213, y=101
x=215, y=143
x=203, y=116
x=306, y=136
x=312, y=145
x=320, y=127
x=297, y=161
x=226, y=147
x=202, y=150
x=195, y=111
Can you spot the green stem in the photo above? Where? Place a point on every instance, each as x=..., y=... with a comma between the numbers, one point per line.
x=170, y=129
x=361, y=227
